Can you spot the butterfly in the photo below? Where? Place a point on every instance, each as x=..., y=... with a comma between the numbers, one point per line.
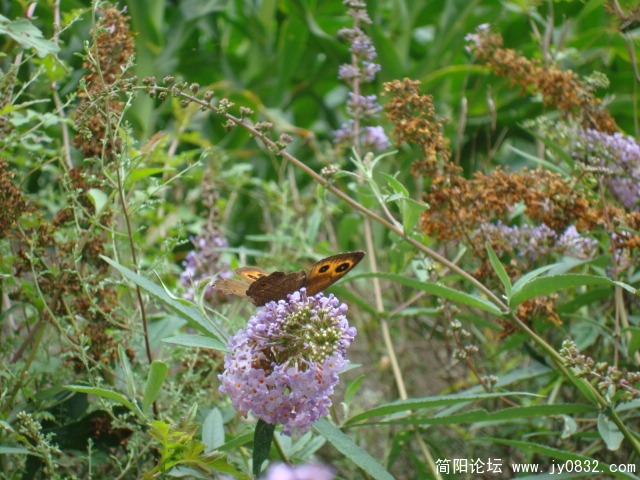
x=264, y=287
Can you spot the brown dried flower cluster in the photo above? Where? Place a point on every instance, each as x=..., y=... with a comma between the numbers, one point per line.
x=542, y=307
x=459, y=205
x=63, y=255
x=13, y=204
x=413, y=116
x=7, y=85
x=70, y=284
x=559, y=88
x=99, y=109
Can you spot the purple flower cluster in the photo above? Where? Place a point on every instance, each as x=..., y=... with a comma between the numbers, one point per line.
x=361, y=69
x=372, y=139
x=362, y=106
x=620, y=153
x=533, y=242
x=283, y=366
x=282, y=471
x=204, y=261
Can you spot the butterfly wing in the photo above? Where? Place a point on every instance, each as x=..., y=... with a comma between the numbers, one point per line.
x=331, y=269
x=263, y=287
x=276, y=286
x=230, y=286
x=250, y=274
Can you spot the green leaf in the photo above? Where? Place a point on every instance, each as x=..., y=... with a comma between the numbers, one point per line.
x=140, y=173
x=213, y=430
x=569, y=427
x=429, y=402
x=199, y=341
x=98, y=199
x=262, y=438
x=504, y=415
x=625, y=286
x=184, y=309
x=634, y=341
x=499, y=269
x=396, y=185
x=583, y=298
x=180, y=449
x=109, y=395
x=553, y=283
x=558, y=150
x=292, y=38
x=349, y=449
x=157, y=374
x=236, y=442
x=410, y=208
x=527, y=277
x=609, y=432
x=438, y=290
x=540, y=161
x=128, y=374
x=306, y=446
x=18, y=451
x=23, y=32
x=411, y=211
x=352, y=389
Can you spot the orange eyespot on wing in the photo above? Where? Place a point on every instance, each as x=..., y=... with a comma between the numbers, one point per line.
x=328, y=271
x=251, y=274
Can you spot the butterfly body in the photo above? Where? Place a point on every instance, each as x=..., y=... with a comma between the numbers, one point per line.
x=264, y=287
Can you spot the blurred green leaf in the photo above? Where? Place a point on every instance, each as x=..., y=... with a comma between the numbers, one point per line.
x=109, y=395
x=183, y=308
x=198, y=341
x=499, y=269
x=157, y=375
x=27, y=35
x=609, y=432
x=213, y=430
x=551, y=284
x=353, y=452
x=98, y=199
x=262, y=439
x=410, y=208
x=437, y=290
x=503, y=415
x=406, y=406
